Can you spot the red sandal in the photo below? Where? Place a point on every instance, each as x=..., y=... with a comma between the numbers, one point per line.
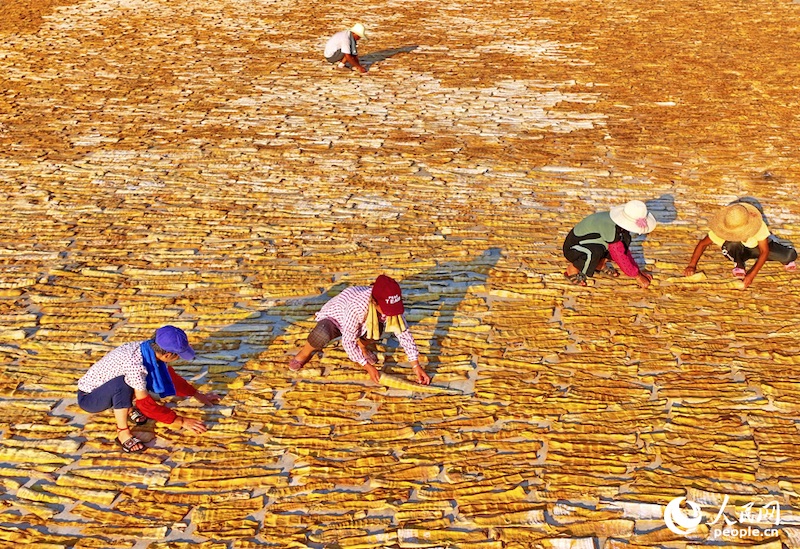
x=129, y=446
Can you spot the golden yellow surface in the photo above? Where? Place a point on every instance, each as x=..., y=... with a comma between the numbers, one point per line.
x=200, y=164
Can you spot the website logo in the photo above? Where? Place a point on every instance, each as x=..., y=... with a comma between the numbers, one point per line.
x=677, y=521
x=748, y=523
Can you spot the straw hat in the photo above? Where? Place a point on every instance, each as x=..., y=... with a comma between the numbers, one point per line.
x=737, y=222
x=634, y=217
x=358, y=29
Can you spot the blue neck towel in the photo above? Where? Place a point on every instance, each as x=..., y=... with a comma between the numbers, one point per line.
x=158, y=379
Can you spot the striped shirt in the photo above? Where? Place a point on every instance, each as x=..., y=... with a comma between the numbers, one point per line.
x=126, y=360
x=348, y=311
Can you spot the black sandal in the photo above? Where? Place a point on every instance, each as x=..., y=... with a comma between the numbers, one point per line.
x=129, y=445
x=136, y=416
x=609, y=270
x=578, y=279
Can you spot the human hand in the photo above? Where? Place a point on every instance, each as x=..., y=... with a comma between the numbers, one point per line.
x=690, y=270
x=374, y=375
x=422, y=377
x=747, y=280
x=191, y=424
x=207, y=399
x=643, y=279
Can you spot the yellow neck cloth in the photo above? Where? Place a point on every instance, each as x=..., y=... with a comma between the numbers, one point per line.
x=394, y=324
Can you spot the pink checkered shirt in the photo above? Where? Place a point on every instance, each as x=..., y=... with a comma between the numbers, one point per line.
x=348, y=311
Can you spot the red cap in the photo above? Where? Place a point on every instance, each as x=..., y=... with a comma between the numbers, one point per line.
x=386, y=292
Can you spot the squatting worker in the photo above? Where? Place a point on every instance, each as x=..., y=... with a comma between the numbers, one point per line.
x=133, y=370
x=739, y=230
x=607, y=235
x=360, y=314
x=342, y=47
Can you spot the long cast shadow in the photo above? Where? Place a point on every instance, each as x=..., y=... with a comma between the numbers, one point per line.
x=372, y=58
x=663, y=209
x=757, y=205
x=227, y=351
x=453, y=279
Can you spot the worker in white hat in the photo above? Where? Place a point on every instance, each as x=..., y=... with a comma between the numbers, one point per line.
x=343, y=50
x=607, y=235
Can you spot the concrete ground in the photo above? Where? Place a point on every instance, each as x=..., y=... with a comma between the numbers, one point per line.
x=199, y=164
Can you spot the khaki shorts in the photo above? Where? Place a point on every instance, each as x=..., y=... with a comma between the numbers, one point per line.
x=336, y=57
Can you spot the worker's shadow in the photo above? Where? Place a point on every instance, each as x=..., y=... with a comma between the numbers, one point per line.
x=447, y=285
x=262, y=345
x=757, y=205
x=370, y=59
x=663, y=209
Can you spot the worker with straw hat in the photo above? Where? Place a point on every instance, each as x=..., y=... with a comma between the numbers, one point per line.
x=740, y=231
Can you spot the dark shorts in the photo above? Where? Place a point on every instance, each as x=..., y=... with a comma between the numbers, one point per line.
x=583, y=255
x=323, y=333
x=112, y=394
x=336, y=57
x=739, y=253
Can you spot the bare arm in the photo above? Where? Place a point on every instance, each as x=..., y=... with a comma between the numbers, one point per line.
x=763, y=253
x=353, y=60
x=422, y=377
x=698, y=251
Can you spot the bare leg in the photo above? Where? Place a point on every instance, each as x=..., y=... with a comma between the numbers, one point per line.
x=572, y=269
x=121, y=415
x=305, y=354
x=575, y=275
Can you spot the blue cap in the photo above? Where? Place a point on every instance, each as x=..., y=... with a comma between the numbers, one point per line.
x=174, y=340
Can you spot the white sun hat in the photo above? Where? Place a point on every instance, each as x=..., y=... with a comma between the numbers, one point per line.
x=358, y=29
x=634, y=217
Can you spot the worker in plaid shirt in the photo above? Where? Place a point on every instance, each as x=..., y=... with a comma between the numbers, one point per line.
x=360, y=315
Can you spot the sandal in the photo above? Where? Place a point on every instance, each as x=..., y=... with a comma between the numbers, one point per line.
x=739, y=272
x=295, y=365
x=129, y=446
x=136, y=416
x=609, y=270
x=578, y=279
x=791, y=266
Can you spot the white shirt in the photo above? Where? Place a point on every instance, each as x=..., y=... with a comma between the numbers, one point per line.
x=126, y=360
x=342, y=40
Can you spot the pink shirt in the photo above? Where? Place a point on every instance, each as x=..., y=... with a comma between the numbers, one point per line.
x=348, y=311
x=623, y=258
